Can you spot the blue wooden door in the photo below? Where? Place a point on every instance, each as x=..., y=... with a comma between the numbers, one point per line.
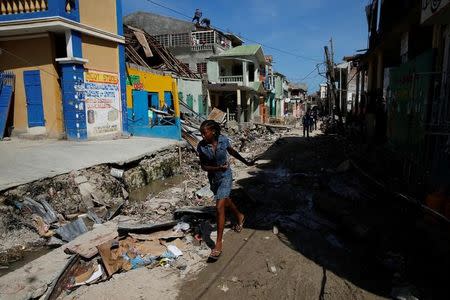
x=33, y=91
x=140, y=109
x=168, y=99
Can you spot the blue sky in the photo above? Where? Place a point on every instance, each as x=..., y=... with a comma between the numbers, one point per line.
x=301, y=27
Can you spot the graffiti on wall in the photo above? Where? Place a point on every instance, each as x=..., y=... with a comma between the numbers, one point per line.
x=135, y=82
x=102, y=96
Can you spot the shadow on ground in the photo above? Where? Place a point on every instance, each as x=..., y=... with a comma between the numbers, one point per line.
x=328, y=212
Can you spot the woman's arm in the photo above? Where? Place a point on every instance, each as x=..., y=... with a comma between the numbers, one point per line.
x=236, y=154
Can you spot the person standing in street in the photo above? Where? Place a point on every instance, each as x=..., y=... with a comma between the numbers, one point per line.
x=306, y=124
x=315, y=116
x=213, y=151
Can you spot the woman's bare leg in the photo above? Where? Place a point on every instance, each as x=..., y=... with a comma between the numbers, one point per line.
x=237, y=214
x=220, y=215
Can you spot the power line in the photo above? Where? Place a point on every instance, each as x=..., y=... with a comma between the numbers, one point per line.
x=246, y=38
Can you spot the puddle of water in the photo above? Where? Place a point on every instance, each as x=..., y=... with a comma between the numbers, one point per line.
x=28, y=256
x=155, y=187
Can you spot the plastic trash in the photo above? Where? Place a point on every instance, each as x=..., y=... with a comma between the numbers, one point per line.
x=182, y=226
x=174, y=249
x=139, y=261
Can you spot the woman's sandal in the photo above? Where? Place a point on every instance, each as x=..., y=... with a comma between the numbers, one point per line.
x=215, y=254
x=238, y=227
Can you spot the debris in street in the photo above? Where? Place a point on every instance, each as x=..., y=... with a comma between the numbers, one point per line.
x=42, y=209
x=124, y=228
x=404, y=293
x=182, y=226
x=275, y=230
x=70, y=231
x=117, y=173
x=206, y=211
x=86, y=246
x=224, y=288
x=205, y=192
x=271, y=266
x=94, y=275
x=159, y=235
x=175, y=251
x=217, y=115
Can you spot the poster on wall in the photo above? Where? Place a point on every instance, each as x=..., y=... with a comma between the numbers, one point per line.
x=102, y=96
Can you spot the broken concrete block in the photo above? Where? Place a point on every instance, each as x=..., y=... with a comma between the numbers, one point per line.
x=80, y=179
x=125, y=193
x=134, y=178
x=86, y=191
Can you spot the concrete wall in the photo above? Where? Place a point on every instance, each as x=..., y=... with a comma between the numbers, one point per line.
x=213, y=71
x=185, y=55
x=191, y=88
x=34, y=54
x=100, y=16
x=102, y=55
x=153, y=83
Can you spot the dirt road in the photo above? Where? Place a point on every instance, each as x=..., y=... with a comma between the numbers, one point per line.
x=332, y=243
x=262, y=265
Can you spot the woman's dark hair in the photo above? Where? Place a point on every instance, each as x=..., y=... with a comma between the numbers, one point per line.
x=211, y=124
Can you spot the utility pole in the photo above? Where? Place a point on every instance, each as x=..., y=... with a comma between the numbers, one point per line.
x=332, y=79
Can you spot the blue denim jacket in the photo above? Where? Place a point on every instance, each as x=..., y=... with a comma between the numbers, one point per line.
x=219, y=158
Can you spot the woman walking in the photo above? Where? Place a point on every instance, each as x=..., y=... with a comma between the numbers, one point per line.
x=213, y=151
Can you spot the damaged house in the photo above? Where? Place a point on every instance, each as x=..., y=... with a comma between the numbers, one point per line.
x=191, y=44
x=152, y=91
x=236, y=86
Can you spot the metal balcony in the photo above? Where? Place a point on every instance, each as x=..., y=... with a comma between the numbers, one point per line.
x=231, y=79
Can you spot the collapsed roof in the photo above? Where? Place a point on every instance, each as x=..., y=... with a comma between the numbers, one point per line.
x=144, y=50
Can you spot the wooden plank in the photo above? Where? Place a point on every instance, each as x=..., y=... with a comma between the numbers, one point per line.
x=144, y=228
x=166, y=234
x=86, y=245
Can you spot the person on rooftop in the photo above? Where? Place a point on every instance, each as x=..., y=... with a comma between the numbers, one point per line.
x=197, y=16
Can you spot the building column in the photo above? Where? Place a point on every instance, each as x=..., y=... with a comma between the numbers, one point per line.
x=238, y=108
x=245, y=72
x=380, y=70
x=72, y=83
x=249, y=112
x=216, y=100
x=74, y=109
x=123, y=87
x=208, y=102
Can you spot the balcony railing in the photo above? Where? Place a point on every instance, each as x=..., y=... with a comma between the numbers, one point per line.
x=8, y=7
x=228, y=79
x=208, y=47
x=24, y=9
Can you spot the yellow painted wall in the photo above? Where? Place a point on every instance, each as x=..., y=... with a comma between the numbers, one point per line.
x=99, y=14
x=102, y=55
x=154, y=83
x=34, y=54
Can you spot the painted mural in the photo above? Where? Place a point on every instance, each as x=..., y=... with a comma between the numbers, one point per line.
x=103, y=110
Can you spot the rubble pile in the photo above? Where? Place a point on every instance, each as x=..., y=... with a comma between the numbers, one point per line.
x=59, y=211
x=124, y=245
